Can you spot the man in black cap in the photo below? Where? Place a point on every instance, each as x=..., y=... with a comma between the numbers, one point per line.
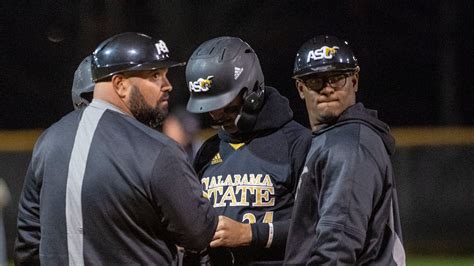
x=103, y=187
x=346, y=209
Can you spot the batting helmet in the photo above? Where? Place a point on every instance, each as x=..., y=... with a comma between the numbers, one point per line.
x=324, y=54
x=218, y=70
x=130, y=51
x=82, y=86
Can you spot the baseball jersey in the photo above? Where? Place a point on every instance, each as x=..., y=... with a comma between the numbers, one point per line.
x=254, y=181
x=102, y=189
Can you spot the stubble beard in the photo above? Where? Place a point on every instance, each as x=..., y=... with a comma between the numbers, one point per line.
x=152, y=117
x=327, y=117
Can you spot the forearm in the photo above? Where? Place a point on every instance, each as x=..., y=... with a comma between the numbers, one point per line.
x=187, y=215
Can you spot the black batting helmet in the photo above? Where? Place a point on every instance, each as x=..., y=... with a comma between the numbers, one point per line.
x=82, y=86
x=218, y=70
x=130, y=51
x=324, y=54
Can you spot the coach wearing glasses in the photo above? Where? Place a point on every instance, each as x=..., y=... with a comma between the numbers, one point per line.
x=346, y=209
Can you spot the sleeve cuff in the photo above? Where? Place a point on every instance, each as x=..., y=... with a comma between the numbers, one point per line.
x=262, y=234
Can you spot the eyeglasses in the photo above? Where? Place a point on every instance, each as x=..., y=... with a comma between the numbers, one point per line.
x=335, y=81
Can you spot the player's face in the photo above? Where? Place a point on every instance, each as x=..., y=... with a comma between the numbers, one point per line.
x=149, y=95
x=327, y=96
x=225, y=117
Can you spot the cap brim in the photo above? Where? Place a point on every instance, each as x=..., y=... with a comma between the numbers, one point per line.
x=157, y=65
x=106, y=72
x=321, y=70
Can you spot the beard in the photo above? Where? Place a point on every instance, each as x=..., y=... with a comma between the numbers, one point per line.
x=327, y=119
x=152, y=117
x=328, y=113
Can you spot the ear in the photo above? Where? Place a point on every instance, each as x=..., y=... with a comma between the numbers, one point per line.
x=355, y=81
x=300, y=87
x=120, y=86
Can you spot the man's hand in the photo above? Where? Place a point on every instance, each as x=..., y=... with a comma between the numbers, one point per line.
x=230, y=233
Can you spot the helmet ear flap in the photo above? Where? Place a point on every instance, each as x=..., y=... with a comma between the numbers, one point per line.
x=253, y=98
x=252, y=103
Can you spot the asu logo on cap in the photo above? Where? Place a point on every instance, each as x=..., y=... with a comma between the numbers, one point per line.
x=201, y=84
x=324, y=52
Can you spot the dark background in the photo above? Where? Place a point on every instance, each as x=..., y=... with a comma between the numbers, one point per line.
x=415, y=56
x=416, y=68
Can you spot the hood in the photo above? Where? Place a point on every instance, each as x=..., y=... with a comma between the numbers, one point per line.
x=275, y=113
x=357, y=113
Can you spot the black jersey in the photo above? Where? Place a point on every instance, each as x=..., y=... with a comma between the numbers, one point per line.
x=254, y=180
x=346, y=202
x=104, y=189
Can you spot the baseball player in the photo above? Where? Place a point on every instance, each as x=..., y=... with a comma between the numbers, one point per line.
x=250, y=169
x=105, y=188
x=346, y=204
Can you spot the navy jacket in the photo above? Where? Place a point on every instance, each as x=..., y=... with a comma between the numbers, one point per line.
x=253, y=178
x=104, y=189
x=346, y=210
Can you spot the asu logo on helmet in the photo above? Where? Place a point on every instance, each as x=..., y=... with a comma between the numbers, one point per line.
x=324, y=52
x=162, y=48
x=201, y=84
x=130, y=51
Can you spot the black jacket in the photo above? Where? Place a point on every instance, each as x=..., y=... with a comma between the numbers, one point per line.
x=104, y=189
x=255, y=181
x=346, y=202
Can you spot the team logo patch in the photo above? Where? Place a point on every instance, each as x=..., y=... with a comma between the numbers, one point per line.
x=161, y=48
x=237, y=72
x=201, y=84
x=324, y=52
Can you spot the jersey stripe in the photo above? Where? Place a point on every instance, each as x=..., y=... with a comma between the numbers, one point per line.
x=77, y=165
